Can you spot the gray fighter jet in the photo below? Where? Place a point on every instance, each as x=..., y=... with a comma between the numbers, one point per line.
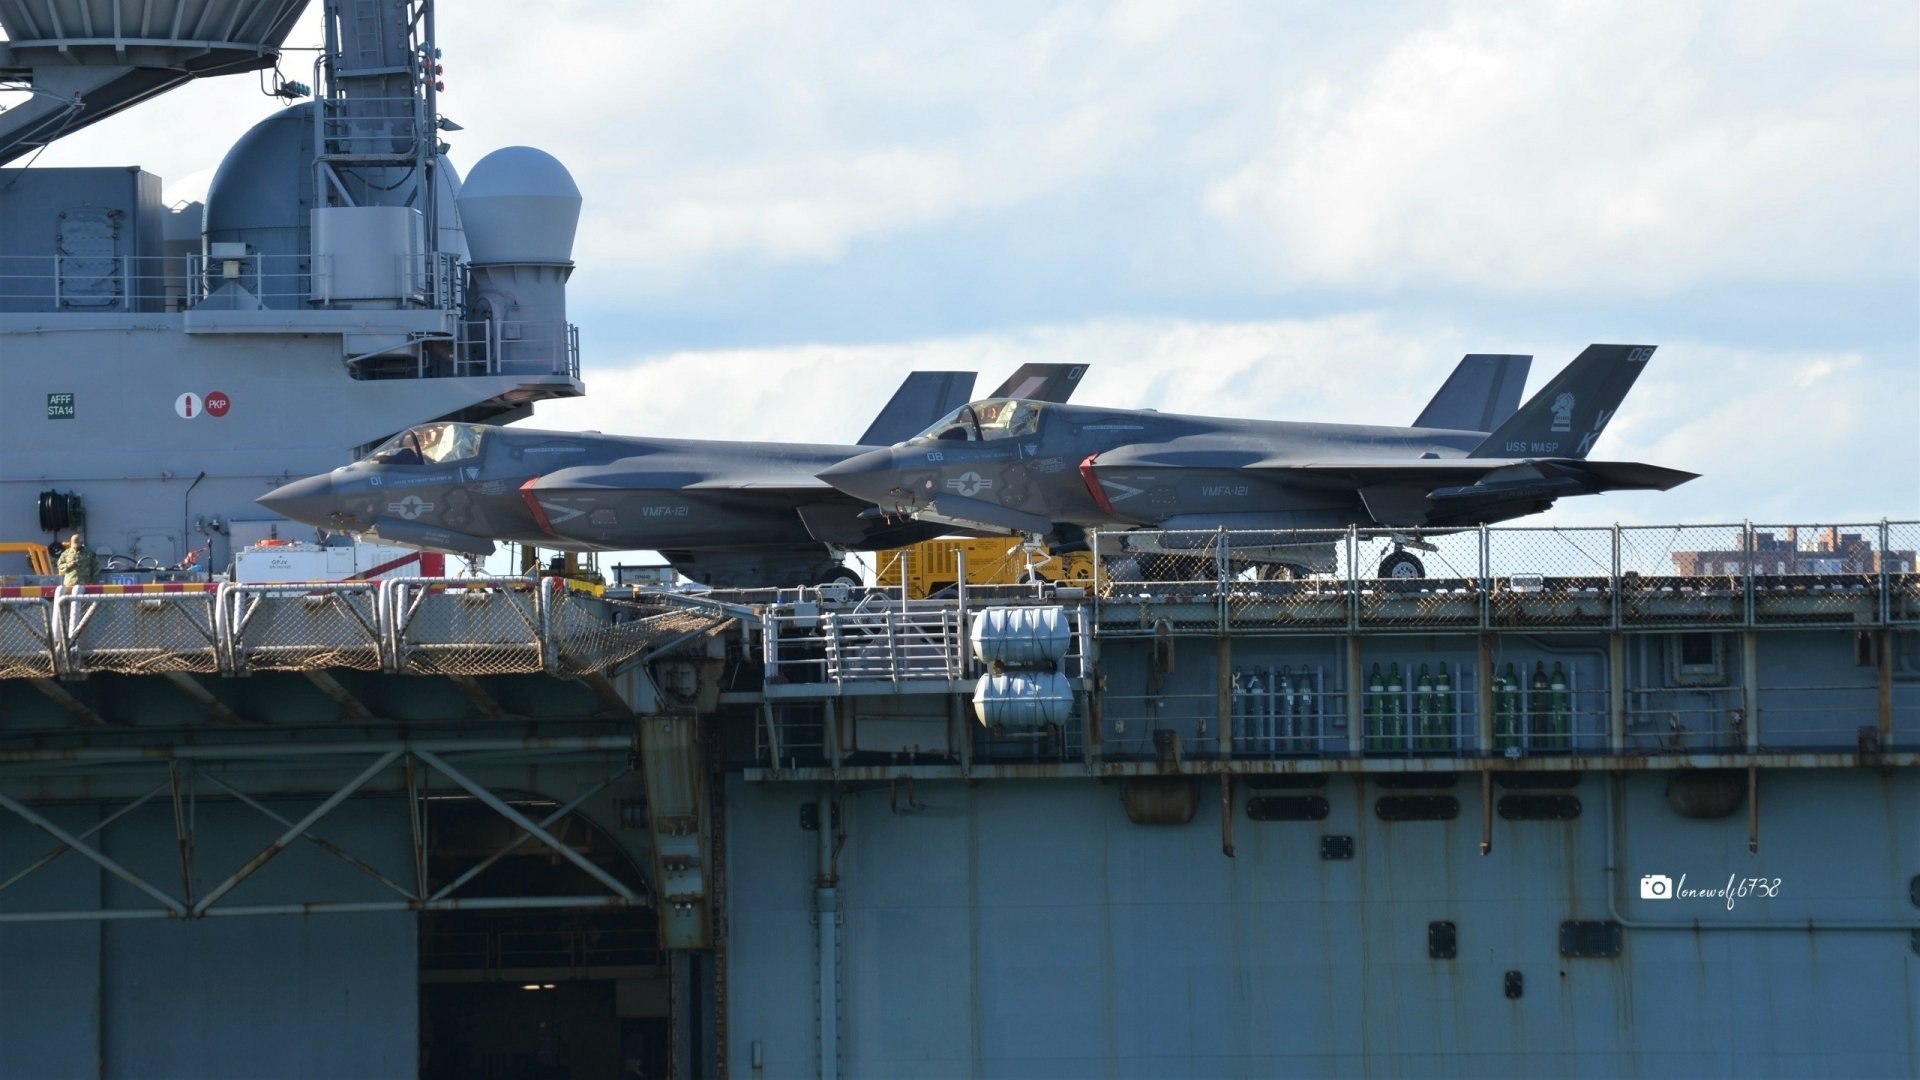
x=731, y=514
x=1031, y=467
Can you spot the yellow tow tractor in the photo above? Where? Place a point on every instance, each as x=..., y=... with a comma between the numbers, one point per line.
x=932, y=566
x=580, y=572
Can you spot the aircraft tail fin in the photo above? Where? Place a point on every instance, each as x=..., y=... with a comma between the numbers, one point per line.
x=1042, y=382
x=1480, y=394
x=1571, y=411
x=923, y=397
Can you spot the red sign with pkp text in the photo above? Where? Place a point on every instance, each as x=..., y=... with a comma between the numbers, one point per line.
x=218, y=403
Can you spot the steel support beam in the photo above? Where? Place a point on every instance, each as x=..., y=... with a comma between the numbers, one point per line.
x=551, y=819
x=330, y=686
x=173, y=907
x=477, y=696
x=675, y=779
x=272, y=751
x=527, y=825
x=294, y=831
x=69, y=704
x=96, y=827
x=349, y=907
x=203, y=697
x=325, y=845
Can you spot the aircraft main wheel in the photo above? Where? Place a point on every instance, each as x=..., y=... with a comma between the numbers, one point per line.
x=1402, y=564
x=842, y=575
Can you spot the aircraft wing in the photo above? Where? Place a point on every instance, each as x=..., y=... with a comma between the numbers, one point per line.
x=1466, y=491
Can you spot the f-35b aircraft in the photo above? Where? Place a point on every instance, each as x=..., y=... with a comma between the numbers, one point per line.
x=730, y=514
x=1037, y=468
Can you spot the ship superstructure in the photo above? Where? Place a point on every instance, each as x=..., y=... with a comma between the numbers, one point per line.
x=161, y=366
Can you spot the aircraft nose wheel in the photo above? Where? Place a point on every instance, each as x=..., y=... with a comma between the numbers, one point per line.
x=842, y=575
x=1403, y=565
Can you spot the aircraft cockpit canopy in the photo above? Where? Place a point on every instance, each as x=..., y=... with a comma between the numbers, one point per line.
x=430, y=444
x=986, y=421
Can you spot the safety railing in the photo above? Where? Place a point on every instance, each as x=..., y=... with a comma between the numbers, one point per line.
x=303, y=627
x=465, y=626
x=513, y=347
x=27, y=641
x=1686, y=721
x=173, y=283
x=138, y=629
x=893, y=645
x=1151, y=582
x=451, y=626
x=868, y=635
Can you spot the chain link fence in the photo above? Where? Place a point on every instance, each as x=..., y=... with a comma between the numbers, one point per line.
x=1900, y=568
x=1289, y=579
x=1834, y=580
x=26, y=637
x=303, y=627
x=1446, y=592
x=588, y=633
x=140, y=633
x=1175, y=580
x=1683, y=576
x=1550, y=577
x=466, y=626
x=1630, y=577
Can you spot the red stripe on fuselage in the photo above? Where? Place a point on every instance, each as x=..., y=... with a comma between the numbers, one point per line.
x=533, y=504
x=1093, y=486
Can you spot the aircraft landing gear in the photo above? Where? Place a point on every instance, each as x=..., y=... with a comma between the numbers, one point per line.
x=1403, y=565
x=842, y=575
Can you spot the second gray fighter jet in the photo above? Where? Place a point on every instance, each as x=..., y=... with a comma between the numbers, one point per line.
x=1054, y=470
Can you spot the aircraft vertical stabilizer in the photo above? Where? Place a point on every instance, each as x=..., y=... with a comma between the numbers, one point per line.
x=1569, y=413
x=1041, y=382
x=1480, y=394
x=923, y=397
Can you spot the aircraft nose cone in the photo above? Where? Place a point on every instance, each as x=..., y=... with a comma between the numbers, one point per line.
x=869, y=476
x=309, y=501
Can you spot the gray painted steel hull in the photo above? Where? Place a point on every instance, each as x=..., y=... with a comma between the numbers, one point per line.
x=1029, y=929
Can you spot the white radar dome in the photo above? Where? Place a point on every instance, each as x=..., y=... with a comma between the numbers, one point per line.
x=519, y=205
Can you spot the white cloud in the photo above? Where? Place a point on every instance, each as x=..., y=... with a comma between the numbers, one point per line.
x=1634, y=147
x=1571, y=145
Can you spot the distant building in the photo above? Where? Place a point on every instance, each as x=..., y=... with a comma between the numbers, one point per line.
x=1832, y=552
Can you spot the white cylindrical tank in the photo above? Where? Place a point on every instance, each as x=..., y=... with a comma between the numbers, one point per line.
x=1023, y=700
x=1021, y=636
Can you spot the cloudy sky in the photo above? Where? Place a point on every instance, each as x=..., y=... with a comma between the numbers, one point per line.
x=1286, y=210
